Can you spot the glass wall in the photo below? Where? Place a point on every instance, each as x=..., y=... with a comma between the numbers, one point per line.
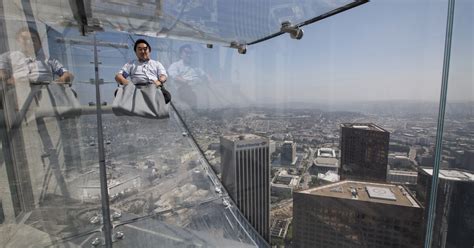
x=453, y=219
x=50, y=183
x=279, y=141
x=160, y=188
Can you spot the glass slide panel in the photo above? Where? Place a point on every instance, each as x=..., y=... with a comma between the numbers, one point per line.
x=208, y=224
x=154, y=168
x=49, y=168
x=454, y=213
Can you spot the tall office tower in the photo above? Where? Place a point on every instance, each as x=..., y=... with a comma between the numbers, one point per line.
x=467, y=161
x=356, y=214
x=245, y=163
x=364, y=152
x=454, y=214
x=288, y=153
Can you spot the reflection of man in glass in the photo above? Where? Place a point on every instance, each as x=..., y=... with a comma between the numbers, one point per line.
x=186, y=76
x=30, y=64
x=31, y=106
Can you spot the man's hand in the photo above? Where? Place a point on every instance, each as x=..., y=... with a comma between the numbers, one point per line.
x=162, y=78
x=66, y=78
x=59, y=81
x=158, y=83
x=11, y=81
x=4, y=76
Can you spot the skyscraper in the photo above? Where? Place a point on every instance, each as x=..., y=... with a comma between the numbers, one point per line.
x=288, y=153
x=245, y=163
x=467, y=161
x=454, y=214
x=364, y=152
x=356, y=214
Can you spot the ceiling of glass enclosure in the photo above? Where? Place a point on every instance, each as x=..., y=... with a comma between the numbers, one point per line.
x=222, y=22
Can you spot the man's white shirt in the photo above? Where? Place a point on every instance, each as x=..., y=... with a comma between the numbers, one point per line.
x=190, y=74
x=35, y=69
x=143, y=72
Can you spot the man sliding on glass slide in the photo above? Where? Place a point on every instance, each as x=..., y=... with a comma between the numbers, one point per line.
x=141, y=92
x=144, y=70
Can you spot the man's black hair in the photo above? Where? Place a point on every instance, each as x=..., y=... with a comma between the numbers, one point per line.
x=184, y=47
x=141, y=41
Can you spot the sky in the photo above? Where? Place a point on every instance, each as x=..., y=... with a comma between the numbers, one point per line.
x=382, y=50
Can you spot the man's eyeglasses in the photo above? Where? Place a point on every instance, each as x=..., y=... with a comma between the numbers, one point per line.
x=145, y=49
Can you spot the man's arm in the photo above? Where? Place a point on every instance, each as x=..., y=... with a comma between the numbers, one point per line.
x=64, y=76
x=173, y=71
x=5, y=69
x=161, y=80
x=180, y=79
x=67, y=77
x=6, y=77
x=161, y=72
x=119, y=78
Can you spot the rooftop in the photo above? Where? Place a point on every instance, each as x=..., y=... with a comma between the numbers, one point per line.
x=279, y=228
x=364, y=126
x=403, y=172
x=326, y=162
x=326, y=152
x=329, y=176
x=366, y=191
x=288, y=180
x=452, y=174
x=236, y=137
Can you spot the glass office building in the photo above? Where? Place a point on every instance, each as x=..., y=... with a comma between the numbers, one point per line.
x=246, y=176
x=73, y=173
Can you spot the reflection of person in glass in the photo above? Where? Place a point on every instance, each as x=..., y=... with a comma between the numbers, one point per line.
x=143, y=70
x=30, y=64
x=186, y=76
x=35, y=85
